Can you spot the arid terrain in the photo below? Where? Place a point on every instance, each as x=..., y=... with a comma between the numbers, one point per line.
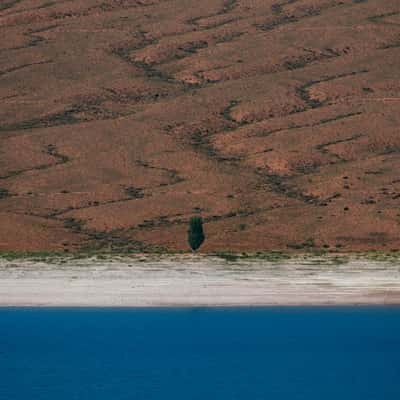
x=198, y=281
x=276, y=121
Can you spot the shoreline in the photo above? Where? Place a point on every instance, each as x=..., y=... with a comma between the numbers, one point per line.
x=195, y=307
x=198, y=282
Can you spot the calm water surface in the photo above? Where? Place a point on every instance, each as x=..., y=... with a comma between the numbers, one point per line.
x=261, y=353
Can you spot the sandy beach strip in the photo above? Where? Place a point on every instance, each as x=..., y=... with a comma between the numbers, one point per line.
x=197, y=281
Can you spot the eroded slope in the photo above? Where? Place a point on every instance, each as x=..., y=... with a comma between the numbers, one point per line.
x=277, y=121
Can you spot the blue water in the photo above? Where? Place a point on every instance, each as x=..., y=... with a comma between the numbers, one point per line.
x=261, y=353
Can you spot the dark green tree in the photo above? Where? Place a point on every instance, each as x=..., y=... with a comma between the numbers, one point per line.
x=195, y=233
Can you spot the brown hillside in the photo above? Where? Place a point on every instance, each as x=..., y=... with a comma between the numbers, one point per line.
x=277, y=121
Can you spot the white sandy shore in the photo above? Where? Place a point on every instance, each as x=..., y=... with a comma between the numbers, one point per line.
x=196, y=281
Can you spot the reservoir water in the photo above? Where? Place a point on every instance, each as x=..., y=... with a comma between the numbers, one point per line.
x=176, y=353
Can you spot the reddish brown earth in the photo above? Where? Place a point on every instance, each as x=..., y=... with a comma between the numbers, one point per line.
x=277, y=121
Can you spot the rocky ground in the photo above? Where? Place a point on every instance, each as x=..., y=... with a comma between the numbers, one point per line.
x=198, y=281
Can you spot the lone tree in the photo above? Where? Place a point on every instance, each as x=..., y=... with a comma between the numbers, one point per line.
x=195, y=233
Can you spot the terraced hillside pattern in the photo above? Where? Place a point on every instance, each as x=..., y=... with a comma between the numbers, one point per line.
x=276, y=121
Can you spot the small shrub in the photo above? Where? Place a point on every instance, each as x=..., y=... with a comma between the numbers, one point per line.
x=4, y=193
x=230, y=257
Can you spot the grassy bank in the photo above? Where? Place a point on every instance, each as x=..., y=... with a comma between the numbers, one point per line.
x=228, y=256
